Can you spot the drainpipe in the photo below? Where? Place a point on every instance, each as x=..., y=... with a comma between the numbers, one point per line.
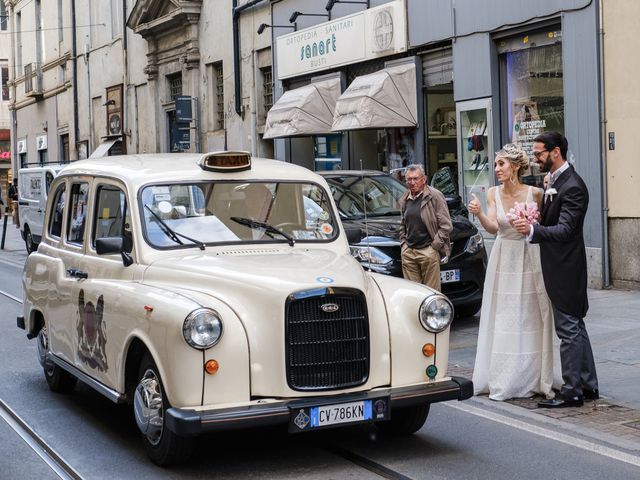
x=237, y=10
x=125, y=78
x=74, y=56
x=15, y=161
x=606, y=280
x=254, y=104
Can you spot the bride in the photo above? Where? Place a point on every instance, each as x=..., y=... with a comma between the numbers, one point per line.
x=515, y=355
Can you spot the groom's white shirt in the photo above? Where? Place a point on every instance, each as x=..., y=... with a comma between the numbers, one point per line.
x=553, y=177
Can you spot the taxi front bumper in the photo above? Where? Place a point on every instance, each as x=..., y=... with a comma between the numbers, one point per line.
x=188, y=422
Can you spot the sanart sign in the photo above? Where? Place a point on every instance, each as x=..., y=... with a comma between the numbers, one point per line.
x=368, y=34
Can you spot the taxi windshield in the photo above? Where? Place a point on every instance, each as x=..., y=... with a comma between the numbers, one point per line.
x=203, y=213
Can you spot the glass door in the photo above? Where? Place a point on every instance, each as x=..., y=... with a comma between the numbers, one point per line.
x=475, y=164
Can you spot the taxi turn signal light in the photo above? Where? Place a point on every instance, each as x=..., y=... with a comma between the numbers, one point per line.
x=211, y=367
x=428, y=349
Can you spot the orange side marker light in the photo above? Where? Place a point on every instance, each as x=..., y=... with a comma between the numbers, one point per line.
x=211, y=367
x=428, y=349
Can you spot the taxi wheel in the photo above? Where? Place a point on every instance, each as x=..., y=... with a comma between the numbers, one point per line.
x=163, y=446
x=58, y=379
x=405, y=421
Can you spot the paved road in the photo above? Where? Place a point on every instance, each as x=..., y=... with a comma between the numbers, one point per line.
x=461, y=440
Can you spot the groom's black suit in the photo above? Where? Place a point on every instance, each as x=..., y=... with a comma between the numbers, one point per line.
x=562, y=252
x=564, y=268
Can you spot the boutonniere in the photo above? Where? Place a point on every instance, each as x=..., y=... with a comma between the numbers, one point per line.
x=550, y=192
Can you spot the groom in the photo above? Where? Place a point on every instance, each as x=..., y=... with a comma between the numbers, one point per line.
x=564, y=267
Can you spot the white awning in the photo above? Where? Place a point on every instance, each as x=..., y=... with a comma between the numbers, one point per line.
x=306, y=110
x=103, y=148
x=383, y=99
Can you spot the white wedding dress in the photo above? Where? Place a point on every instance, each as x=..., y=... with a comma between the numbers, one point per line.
x=516, y=355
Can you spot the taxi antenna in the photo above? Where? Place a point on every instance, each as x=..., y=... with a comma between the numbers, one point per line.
x=366, y=220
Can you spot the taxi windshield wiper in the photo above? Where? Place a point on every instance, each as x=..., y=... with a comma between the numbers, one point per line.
x=269, y=229
x=171, y=233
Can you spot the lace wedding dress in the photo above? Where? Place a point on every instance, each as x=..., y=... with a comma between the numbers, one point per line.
x=516, y=352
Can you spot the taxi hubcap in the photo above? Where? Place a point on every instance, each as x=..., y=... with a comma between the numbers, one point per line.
x=148, y=407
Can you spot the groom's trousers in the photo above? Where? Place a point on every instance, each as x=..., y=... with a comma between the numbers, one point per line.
x=576, y=356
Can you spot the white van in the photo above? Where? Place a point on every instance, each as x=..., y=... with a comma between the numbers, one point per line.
x=33, y=188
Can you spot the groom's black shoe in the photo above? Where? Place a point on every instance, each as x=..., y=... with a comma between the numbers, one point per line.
x=561, y=402
x=591, y=394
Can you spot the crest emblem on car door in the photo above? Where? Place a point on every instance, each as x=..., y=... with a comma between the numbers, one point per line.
x=92, y=336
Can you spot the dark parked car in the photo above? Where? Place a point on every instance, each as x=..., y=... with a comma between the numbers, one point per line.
x=463, y=272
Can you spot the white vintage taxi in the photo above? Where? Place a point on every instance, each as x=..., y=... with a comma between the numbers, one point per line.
x=217, y=291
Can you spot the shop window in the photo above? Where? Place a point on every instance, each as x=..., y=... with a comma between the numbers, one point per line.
x=532, y=92
x=328, y=152
x=441, y=129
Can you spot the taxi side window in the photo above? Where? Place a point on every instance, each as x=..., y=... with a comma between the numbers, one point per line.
x=112, y=215
x=57, y=213
x=76, y=223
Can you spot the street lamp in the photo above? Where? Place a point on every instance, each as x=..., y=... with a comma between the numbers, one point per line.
x=296, y=14
x=331, y=3
x=264, y=26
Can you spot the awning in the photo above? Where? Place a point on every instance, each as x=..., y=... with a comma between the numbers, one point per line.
x=306, y=110
x=383, y=99
x=103, y=148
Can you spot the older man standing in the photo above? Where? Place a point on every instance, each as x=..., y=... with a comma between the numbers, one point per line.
x=425, y=229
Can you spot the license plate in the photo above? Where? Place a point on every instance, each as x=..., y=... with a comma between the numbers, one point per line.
x=341, y=413
x=449, y=276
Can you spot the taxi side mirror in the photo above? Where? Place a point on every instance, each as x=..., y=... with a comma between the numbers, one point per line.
x=106, y=245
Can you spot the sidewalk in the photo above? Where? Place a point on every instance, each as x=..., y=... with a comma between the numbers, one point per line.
x=14, y=248
x=613, y=324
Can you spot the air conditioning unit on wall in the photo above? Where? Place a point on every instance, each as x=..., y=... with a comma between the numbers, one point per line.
x=41, y=142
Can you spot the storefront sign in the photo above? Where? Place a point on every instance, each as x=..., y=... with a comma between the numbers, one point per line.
x=368, y=34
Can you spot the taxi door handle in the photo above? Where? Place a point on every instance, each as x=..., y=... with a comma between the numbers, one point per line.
x=74, y=272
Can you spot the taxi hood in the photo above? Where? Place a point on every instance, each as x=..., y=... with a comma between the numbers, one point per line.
x=258, y=275
x=256, y=285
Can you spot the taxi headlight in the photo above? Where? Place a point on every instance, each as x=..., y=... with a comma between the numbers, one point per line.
x=202, y=328
x=436, y=313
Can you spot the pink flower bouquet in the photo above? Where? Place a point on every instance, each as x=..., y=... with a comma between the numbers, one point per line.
x=528, y=211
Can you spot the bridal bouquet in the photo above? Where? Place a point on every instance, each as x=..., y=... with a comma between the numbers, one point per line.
x=528, y=211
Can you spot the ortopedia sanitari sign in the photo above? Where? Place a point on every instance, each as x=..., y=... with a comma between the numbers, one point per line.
x=372, y=33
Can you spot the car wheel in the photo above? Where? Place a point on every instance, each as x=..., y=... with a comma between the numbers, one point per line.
x=28, y=241
x=58, y=379
x=163, y=446
x=405, y=421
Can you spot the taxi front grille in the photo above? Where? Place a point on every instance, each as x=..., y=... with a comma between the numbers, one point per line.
x=326, y=347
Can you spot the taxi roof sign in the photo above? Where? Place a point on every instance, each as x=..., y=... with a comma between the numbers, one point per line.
x=226, y=161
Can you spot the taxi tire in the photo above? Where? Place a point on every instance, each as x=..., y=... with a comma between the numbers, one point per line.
x=58, y=379
x=405, y=421
x=171, y=449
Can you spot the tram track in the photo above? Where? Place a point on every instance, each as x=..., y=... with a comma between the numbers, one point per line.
x=41, y=448
x=48, y=455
